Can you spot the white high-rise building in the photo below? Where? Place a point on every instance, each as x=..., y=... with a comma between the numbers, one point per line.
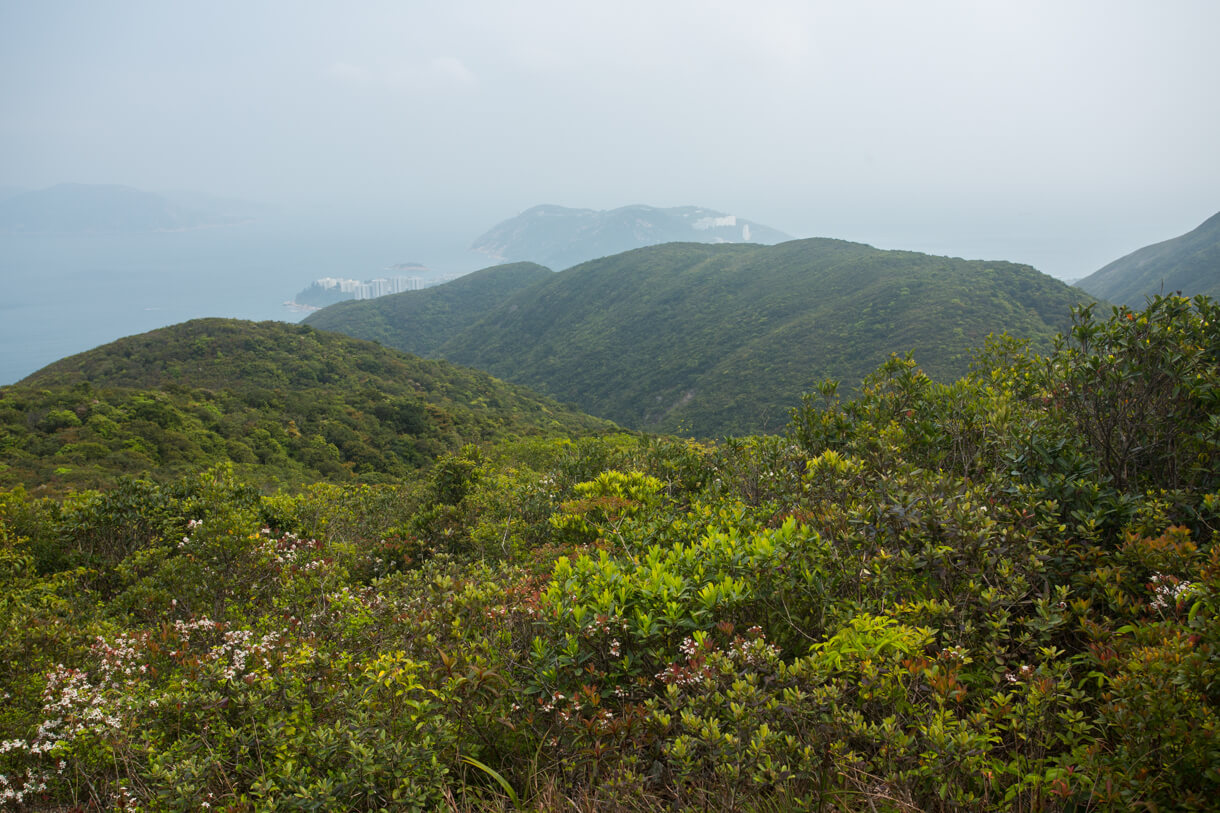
x=373, y=288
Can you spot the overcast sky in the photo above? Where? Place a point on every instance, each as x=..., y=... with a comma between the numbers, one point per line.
x=1058, y=133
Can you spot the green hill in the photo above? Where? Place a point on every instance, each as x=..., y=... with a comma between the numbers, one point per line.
x=425, y=319
x=286, y=403
x=724, y=339
x=955, y=598
x=1189, y=264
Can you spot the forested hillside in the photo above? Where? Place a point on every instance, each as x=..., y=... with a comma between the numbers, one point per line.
x=1189, y=265
x=284, y=403
x=717, y=340
x=423, y=320
x=997, y=593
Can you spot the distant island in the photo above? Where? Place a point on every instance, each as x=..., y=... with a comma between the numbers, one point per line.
x=559, y=237
x=74, y=208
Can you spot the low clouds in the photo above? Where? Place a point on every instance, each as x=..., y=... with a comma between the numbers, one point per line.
x=443, y=73
x=347, y=72
x=450, y=69
x=877, y=120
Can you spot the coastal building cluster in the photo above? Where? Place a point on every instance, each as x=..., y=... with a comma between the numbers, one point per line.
x=371, y=288
x=333, y=290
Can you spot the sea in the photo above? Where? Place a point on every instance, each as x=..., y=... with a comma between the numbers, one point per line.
x=64, y=294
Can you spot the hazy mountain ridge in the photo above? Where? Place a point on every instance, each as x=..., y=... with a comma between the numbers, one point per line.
x=287, y=403
x=718, y=339
x=108, y=208
x=559, y=237
x=1189, y=263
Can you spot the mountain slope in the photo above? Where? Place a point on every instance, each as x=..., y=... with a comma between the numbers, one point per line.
x=426, y=318
x=1189, y=264
x=287, y=403
x=723, y=339
x=560, y=237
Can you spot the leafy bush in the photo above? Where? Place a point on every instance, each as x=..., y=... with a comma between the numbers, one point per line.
x=925, y=597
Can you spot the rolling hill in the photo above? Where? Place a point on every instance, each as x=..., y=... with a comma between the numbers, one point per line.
x=426, y=318
x=286, y=403
x=560, y=237
x=1189, y=264
x=723, y=339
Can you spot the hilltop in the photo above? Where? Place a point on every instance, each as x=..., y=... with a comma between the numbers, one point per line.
x=560, y=237
x=724, y=339
x=1189, y=264
x=286, y=403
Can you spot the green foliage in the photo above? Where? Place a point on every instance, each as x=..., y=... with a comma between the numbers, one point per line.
x=287, y=404
x=423, y=320
x=611, y=496
x=947, y=597
x=712, y=340
x=1152, y=645
x=1143, y=389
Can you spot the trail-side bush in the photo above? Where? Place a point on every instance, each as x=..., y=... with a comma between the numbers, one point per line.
x=198, y=714
x=927, y=597
x=1153, y=641
x=1142, y=388
x=619, y=619
x=98, y=530
x=603, y=503
x=44, y=620
x=901, y=416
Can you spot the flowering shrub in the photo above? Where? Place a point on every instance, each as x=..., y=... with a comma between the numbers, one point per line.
x=197, y=714
x=926, y=597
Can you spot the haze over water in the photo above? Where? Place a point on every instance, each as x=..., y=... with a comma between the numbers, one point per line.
x=64, y=294
x=1061, y=135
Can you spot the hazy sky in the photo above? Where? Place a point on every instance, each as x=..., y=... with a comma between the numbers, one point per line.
x=1058, y=133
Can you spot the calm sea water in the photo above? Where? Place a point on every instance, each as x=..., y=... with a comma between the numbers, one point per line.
x=61, y=295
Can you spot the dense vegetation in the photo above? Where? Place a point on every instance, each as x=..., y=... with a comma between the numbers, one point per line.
x=1187, y=265
x=424, y=320
x=284, y=403
x=715, y=340
x=997, y=593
